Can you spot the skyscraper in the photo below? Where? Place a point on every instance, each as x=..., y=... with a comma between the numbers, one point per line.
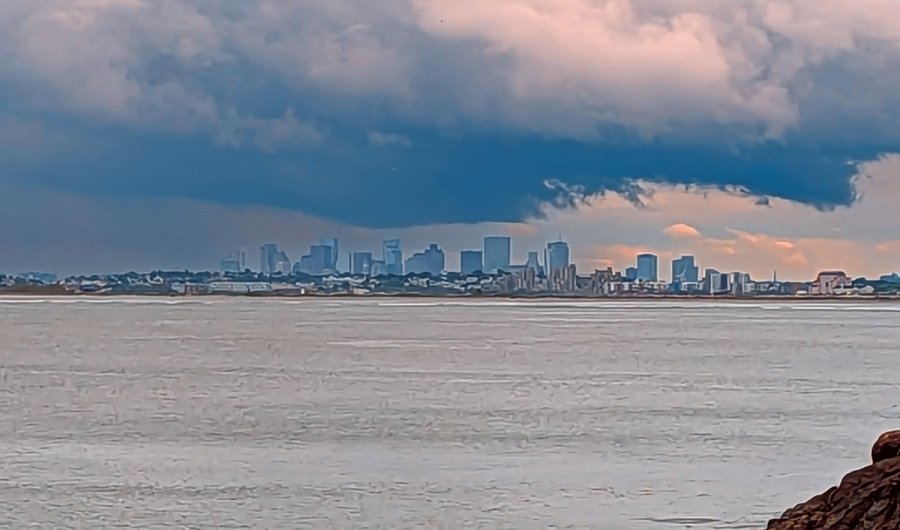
x=362, y=263
x=317, y=262
x=471, y=261
x=496, y=253
x=557, y=256
x=267, y=255
x=684, y=270
x=333, y=243
x=393, y=257
x=648, y=267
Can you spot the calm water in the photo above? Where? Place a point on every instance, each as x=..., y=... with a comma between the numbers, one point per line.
x=225, y=413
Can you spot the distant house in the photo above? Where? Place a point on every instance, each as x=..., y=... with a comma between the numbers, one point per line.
x=830, y=283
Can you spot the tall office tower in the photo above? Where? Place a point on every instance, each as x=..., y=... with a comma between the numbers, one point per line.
x=393, y=257
x=362, y=263
x=267, y=255
x=713, y=281
x=317, y=262
x=648, y=267
x=557, y=256
x=684, y=270
x=321, y=259
x=434, y=259
x=496, y=254
x=333, y=243
x=471, y=261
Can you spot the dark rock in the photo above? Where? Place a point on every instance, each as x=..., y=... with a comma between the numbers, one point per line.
x=866, y=499
x=887, y=446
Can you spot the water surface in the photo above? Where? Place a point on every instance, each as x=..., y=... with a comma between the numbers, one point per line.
x=248, y=413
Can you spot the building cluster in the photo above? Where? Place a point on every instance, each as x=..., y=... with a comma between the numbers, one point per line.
x=550, y=271
x=488, y=270
x=495, y=258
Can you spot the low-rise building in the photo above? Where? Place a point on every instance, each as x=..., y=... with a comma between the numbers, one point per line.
x=829, y=283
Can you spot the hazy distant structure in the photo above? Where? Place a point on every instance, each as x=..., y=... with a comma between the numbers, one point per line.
x=317, y=262
x=362, y=263
x=430, y=261
x=377, y=268
x=557, y=256
x=282, y=264
x=335, y=248
x=684, y=270
x=631, y=273
x=497, y=250
x=534, y=264
x=267, y=255
x=393, y=257
x=648, y=267
x=234, y=263
x=471, y=261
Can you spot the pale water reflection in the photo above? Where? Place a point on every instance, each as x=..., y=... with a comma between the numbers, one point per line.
x=245, y=413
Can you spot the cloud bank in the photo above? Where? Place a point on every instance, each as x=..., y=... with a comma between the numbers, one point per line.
x=399, y=113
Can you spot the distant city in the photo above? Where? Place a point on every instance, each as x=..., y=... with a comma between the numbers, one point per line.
x=547, y=271
x=483, y=271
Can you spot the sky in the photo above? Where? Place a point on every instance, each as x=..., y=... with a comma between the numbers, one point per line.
x=759, y=135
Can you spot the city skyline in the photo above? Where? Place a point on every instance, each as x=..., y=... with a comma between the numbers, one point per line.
x=558, y=254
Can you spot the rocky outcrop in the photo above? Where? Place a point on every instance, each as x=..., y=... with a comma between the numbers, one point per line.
x=866, y=499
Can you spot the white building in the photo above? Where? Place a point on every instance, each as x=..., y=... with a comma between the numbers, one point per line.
x=830, y=283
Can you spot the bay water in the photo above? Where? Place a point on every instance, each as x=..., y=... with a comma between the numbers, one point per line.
x=407, y=413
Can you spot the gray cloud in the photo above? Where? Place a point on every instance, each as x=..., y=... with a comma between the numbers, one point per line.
x=566, y=68
x=490, y=100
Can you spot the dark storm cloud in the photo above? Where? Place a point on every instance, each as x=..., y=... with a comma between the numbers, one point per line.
x=401, y=113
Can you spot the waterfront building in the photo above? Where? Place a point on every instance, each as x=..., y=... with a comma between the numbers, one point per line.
x=393, y=257
x=830, y=283
x=648, y=268
x=557, y=256
x=471, y=261
x=497, y=250
x=739, y=283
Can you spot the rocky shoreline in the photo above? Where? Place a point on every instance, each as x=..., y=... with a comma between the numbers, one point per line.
x=866, y=499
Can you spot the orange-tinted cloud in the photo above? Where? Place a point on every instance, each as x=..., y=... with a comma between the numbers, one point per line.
x=681, y=231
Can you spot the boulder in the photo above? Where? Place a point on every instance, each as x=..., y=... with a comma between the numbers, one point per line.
x=866, y=499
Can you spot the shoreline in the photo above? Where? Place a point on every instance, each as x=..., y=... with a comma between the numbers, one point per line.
x=54, y=293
